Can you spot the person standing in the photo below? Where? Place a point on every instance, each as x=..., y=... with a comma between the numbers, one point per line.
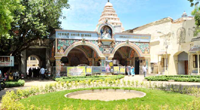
x=133, y=71
x=30, y=72
x=128, y=68
x=42, y=71
x=144, y=68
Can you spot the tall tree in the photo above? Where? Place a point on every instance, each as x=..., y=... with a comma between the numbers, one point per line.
x=38, y=20
x=7, y=8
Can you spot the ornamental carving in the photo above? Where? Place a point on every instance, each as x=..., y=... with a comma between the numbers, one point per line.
x=181, y=34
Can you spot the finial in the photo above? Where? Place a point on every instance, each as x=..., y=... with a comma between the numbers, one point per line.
x=108, y=0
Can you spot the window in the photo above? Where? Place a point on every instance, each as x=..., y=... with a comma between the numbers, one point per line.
x=163, y=63
x=33, y=58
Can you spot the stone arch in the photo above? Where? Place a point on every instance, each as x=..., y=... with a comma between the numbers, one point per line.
x=181, y=35
x=124, y=44
x=89, y=44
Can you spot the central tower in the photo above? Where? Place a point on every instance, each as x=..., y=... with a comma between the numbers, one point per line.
x=110, y=16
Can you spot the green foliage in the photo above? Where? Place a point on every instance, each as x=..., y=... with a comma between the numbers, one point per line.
x=178, y=78
x=193, y=2
x=82, y=78
x=37, y=20
x=15, y=83
x=7, y=9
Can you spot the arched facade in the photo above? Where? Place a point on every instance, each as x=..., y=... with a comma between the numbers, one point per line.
x=80, y=43
x=131, y=45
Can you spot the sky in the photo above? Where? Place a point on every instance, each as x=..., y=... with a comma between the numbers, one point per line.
x=85, y=14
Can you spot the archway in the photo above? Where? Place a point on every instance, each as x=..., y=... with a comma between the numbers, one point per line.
x=83, y=55
x=183, y=63
x=33, y=66
x=86, y=43
x=127, y=56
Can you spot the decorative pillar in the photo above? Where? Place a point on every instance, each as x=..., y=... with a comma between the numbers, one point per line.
x=147, y=63
x=103, y=62
x=58, y=66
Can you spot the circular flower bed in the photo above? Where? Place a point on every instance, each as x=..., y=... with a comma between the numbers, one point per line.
x=106, y=95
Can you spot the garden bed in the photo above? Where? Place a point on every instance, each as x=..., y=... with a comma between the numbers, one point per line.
x=14, y=83
x=92, y=78
x=177, y=78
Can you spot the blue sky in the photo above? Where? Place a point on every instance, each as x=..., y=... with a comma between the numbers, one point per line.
x=84, y=14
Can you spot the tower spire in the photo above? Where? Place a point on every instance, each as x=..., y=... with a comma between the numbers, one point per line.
x=108, y=0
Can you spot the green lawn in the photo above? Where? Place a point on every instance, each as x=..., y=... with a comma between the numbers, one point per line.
x=81, y=78
x=154, y=98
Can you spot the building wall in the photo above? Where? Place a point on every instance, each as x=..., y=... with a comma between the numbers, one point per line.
x=168, y=30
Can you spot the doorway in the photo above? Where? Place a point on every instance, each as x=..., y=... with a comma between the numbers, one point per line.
x=137, y=66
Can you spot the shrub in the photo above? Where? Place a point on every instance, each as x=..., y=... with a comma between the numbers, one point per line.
x=178, y=78
x=15, y=83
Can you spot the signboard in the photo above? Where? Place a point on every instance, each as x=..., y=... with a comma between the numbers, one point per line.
x=132, y=37
x=122, y=69
x=6, y=61
x=96, y=69
x=88, y=70
x=116, y=69
x=76, y=71
x=77, y=35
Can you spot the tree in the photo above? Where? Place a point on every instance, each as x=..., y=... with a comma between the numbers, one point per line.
x=193, y=2
x=38, y=20
x=7, y=8
x=196, y=14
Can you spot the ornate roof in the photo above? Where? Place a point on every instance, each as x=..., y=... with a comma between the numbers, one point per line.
x=110, y=15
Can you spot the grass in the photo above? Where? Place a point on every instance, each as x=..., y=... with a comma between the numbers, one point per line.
x=154, y=99
x=81, y=78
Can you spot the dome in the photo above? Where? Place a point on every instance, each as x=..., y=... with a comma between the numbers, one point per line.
x=184, y=14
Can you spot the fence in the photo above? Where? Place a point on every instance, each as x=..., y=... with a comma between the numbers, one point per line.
x=86, y=70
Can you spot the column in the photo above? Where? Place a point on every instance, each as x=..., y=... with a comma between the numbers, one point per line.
x=103, y=62
x=57, y=69
x=23, y=62
x=147, y=63
x=198, y=62
x=189, y=73
x=47, y=59
x=90, y=61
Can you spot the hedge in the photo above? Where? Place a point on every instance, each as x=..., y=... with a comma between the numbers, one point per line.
x=15, y=83
x=178, y=78
x=92, y=78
